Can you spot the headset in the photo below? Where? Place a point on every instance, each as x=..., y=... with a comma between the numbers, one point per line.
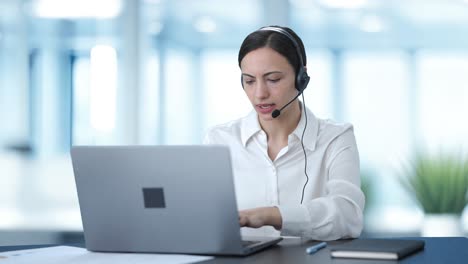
x=301, y=82
x=302, y=78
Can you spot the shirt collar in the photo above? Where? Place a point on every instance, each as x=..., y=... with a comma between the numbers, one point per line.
x=250, y=126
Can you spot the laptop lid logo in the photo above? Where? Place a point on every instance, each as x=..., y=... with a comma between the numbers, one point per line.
x=154, y=198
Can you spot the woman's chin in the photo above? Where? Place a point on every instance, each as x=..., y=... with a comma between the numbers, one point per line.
x=265, y=117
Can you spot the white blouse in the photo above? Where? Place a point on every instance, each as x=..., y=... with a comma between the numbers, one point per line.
x=333, y=201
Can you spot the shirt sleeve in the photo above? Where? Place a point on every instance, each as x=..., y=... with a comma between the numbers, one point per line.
x=338, y=214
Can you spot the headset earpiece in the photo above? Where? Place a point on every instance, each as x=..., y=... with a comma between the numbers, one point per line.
x=302, y=79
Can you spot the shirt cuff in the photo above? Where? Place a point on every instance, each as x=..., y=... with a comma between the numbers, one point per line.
x=294, y=218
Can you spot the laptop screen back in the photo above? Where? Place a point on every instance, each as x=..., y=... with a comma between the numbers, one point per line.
x=174, y=199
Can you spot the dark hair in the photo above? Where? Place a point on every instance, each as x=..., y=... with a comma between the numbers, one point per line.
x=276, y=41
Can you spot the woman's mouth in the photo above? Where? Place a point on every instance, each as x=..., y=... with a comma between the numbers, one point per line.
x=265, y=108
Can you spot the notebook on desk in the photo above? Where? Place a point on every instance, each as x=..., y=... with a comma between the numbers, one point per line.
x=388, y=249
x=167, y=199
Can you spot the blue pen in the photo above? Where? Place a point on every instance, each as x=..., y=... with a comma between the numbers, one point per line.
x=315, y=248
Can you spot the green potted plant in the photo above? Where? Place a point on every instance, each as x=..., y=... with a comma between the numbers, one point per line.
x=367, y=187
x=439, y=184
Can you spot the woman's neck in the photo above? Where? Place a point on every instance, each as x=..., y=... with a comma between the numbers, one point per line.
x=281, y=127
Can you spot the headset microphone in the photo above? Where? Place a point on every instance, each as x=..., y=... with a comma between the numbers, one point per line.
x=277, y=112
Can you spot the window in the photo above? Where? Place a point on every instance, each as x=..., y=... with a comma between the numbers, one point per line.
x=81, y=133
x=149, y=115
x=224, y=98
x=180, y=106
x=94, y=96
x=318, y=95
x=443, y=96
x=376, y=102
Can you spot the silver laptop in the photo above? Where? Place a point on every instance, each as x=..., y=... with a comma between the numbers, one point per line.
x=167, y=199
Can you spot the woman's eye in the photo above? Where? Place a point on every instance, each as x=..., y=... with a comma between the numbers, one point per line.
x=273, y=80
x=249, y=82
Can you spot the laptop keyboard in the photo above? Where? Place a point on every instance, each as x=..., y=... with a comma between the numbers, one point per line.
x=246, y=243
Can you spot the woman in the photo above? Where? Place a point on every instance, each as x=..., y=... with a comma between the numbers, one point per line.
x=295, y=174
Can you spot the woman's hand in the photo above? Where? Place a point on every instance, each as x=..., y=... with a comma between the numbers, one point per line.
x=261, y=216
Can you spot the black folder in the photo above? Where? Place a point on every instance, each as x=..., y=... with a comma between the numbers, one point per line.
x=391, y=249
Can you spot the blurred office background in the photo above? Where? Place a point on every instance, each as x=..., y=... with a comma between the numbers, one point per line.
x=107, y=72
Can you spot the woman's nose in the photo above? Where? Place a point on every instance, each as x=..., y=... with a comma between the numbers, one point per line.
x=261, y=90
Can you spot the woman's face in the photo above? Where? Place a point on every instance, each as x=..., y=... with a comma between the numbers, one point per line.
x=268, y=81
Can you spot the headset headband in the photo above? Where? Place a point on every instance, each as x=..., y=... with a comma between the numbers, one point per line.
x=290, y=37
